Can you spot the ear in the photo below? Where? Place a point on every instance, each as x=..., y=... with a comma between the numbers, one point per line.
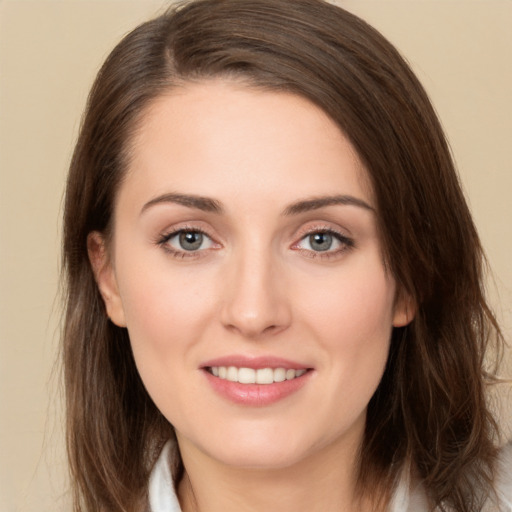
x=105, y=277
x=405, y=309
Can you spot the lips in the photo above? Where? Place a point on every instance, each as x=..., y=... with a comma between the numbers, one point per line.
x=255, y=381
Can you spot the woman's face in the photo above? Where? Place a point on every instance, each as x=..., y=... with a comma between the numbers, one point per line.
x=246, y=249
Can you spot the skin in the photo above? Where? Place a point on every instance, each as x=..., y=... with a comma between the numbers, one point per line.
x=255, y=287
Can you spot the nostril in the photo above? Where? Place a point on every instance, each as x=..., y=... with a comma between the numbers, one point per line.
x=270, y=328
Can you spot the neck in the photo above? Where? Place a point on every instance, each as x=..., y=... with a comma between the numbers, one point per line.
x=325, y=480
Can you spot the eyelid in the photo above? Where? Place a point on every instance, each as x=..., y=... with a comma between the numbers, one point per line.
x=322, y=227
x=346, y=241
x=163, y=238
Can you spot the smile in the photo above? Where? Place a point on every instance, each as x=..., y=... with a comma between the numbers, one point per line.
x=252, y=376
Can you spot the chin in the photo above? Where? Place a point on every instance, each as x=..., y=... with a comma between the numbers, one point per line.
x=266, y=447
x=260, y=459
x=263, y=449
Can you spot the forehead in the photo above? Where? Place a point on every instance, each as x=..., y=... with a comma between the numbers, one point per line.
x=219, y=136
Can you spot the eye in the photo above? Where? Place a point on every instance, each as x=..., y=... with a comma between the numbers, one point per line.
x=187, y=240
x=319, y=241
x=324, y=241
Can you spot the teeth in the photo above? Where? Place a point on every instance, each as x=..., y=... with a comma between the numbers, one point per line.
x=279, y=375
x=251, y=376
x=246, y=375
x=265, y=376
x=232, y=374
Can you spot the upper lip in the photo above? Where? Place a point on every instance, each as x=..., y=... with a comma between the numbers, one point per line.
x=256, y=363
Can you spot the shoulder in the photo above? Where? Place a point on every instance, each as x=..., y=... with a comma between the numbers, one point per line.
x=504, y=477
x=161, y=491
x=410, y=496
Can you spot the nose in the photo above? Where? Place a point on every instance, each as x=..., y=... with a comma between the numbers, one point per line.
x=256, y=300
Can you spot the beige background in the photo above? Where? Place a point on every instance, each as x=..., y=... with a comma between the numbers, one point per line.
x=49, y=53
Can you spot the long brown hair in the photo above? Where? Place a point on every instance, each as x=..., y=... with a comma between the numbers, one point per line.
x=430, y=407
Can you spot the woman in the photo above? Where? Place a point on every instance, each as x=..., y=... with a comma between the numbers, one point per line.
x=275, y=293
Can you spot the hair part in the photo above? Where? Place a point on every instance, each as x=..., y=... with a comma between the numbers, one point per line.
x=430, y=407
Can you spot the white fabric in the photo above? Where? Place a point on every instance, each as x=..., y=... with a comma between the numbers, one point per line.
x=504, y=480
x=162, y=497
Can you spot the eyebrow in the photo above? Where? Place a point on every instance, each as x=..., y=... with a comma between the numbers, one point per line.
x=208, y=204
x=205, y=204
x=315, y=203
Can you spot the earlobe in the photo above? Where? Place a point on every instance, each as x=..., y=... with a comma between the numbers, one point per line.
x=105, y=277
x=405, y=310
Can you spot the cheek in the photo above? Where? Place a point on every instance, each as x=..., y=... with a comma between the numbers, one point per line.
x=166, y=313
x=351, y=317
x=166, y=318
x=354, y=306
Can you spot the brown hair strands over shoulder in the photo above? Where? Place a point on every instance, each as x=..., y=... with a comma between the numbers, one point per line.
x=430, y=407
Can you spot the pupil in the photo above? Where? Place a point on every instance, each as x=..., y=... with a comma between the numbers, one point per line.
x=191, y=240
x=320, y=241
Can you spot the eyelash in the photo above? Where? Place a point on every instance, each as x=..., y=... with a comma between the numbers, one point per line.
x=163, y=241
x=346, y=243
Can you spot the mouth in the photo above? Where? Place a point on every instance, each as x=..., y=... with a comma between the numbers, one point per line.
x=256, y=381
x=263, y=376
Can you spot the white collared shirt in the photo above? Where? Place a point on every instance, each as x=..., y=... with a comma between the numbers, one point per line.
x=162, y=496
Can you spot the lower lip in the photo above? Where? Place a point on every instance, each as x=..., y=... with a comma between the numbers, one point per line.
x=256, y=395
